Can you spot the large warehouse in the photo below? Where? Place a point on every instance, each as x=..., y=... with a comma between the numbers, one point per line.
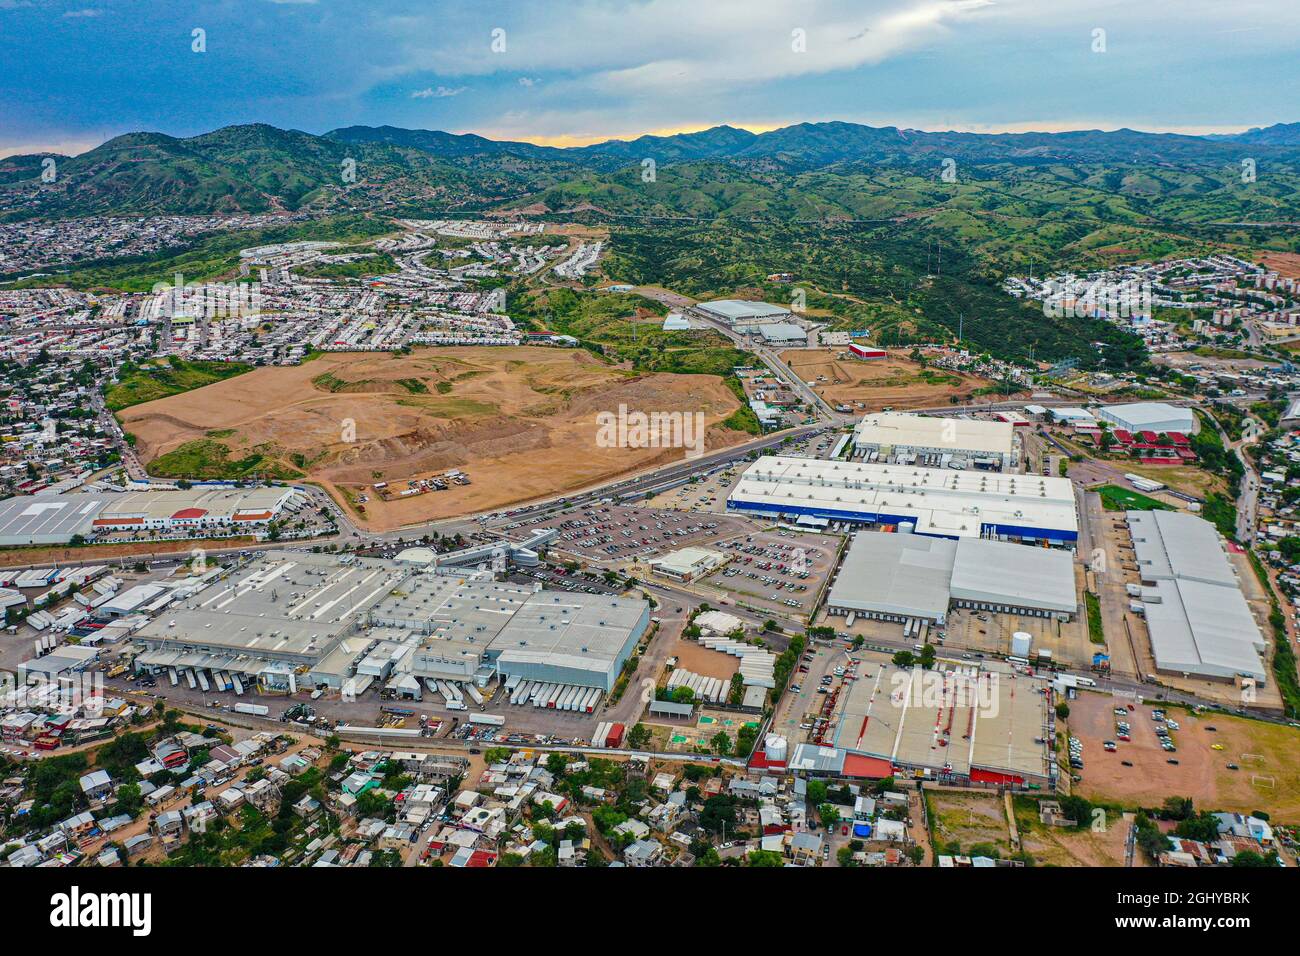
x=57, y=518
x=1196, y=614
x=898, y=577
x=932, y=501
x=935, y=442
x=1157, y=417
x=741, y=312
x=287, y=614
x=986, y=725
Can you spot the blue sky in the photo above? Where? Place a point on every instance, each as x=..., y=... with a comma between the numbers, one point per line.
x=569, y=71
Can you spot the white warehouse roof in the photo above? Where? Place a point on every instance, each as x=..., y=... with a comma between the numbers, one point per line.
x=1149, y=416
x=741, y=310
x=937, y=501
x=901, y=430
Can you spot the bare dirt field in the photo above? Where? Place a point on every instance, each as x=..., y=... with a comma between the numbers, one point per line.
x=1056, y=846
x=1268, y=756
x=968, y=819
x=520, y=422
x=1283, y=263
x=895, y=381
x=698, y=659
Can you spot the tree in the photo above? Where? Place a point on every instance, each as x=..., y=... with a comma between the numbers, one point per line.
x=1062, y=710
x=830, y=815
x=721, y=743
x=1249, y=858
x=904, y=659
x=638, y=736
x=766, y=858
x=719, y=813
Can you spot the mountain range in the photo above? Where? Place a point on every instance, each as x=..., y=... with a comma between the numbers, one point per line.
x=259, y=168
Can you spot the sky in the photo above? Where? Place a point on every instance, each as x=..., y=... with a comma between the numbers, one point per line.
x=566, y=72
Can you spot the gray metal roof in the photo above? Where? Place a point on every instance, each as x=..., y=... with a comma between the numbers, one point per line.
x=996, y=572
x=901, y=574
x=917, y=576
x=1197, y=617
x=1169, y=544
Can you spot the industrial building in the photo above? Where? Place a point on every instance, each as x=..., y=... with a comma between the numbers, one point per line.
x=901, y=577
x=782, y=333
x=1196, y=614
x=291, y=618
x=1157, y=417
x=930, y=501
x=687, y=564
x=58, y=518
x=935, y=442
x=741, y=313
x=959, y=723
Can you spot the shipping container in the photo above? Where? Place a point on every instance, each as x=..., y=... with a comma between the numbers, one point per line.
x=490, y=720
x=261, y=710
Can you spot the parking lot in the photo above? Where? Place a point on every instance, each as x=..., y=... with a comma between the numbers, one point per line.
x=778, y=570
x=611, y=533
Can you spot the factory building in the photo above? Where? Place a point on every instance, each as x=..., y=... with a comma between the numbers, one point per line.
x=986, y=725
x=740, y=313
x=935, y=442
x=1196, y=614
x=292, y=618
x=57, y=518
x=687, y=564
x=929, y=501
x=1157, y=417
x=901, y=577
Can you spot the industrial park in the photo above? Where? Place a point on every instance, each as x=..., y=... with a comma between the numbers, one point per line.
x=643, y=435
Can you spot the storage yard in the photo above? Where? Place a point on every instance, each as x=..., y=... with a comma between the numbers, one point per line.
x=526, y=416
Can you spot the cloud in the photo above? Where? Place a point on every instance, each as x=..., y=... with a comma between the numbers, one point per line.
x=529, y=81
x=82, y=14
x=438, y=93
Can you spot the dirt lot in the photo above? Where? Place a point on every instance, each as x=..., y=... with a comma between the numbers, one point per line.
x=1054, y=846
x=1268, y=756
x=895, y=381
x=698, y=659
x=968, y=819
x=1283, y=263
x=521, y=422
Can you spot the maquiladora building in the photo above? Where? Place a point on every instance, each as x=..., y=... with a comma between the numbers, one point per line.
x=929, y=501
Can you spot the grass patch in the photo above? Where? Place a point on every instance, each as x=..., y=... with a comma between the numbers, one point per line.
x=414, y=386
x=1220, y=510
x=743, y=420
x=206, y=458
x=1096, y=633
x=1115, y=498
x=453, y=408
x=161, y=378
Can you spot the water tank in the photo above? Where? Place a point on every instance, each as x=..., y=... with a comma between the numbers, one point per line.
x=774, y=745
x=1020, y=642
